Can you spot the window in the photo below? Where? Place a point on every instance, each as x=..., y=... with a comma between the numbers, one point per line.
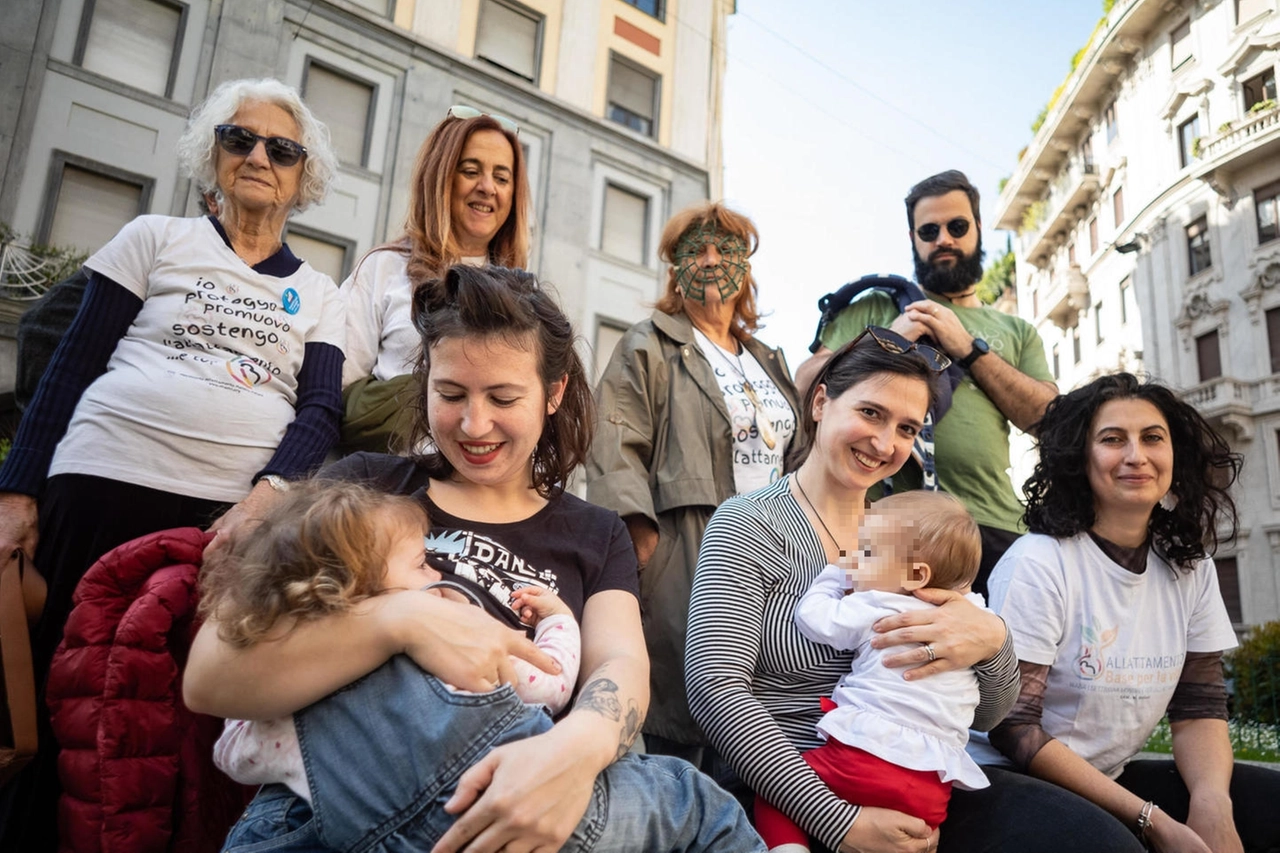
x=133, y=41
x=1126, y=296
x=325, y=254
x=510, y=37
x=1093, y=236
x=649, y=7
x=91, y=207
x=1259, y=89
x=1188, y=140
x=1109, y=118
x=1180, y=42
x=345, y=105
x=1208, y=356
x=1057, y=363
x=626, y=217
x=633, y=96
x=1273, y=338
x=1117, y=206
x=1071, y=254
x=1097, y=321
x=1247, y=10
x=1266, y=206
x=1200, y=258
x=1075, y=345
x=385, y=8
x=1229, y=586
x=1086, y=153
x=608, y=335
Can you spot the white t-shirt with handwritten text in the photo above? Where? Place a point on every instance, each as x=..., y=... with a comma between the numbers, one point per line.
x=755, y=464
x=201, y=388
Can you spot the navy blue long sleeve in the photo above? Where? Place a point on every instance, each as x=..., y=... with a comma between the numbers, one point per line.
x=319, y=412
x=106, y=313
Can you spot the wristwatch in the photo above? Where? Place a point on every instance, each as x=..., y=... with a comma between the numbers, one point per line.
x=980, y=348
x=275, y=481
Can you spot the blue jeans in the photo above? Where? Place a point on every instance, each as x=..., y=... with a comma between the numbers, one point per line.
x=384, y=754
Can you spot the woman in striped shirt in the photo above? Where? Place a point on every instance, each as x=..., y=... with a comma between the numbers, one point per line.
x=755, y=682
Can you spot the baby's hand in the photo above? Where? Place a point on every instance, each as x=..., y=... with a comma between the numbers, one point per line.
x=534, y=604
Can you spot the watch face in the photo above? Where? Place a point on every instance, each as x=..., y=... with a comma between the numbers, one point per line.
x=979, y=345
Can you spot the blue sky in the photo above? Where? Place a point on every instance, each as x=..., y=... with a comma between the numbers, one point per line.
x=834, y=108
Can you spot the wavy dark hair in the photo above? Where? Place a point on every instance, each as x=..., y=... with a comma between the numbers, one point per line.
x=511, y=306
x=856, y=361
x=1060, y=500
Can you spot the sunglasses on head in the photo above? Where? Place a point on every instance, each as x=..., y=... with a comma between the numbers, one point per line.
x=241, y=141
x=890, y=341
x=462, y=111
x=957, y=228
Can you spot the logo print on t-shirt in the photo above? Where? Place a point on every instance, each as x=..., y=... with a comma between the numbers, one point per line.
x=1091, y=664
x=247, y=372
x=485, y=562
x=291, y=301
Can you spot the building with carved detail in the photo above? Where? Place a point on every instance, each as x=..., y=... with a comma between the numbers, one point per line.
x=618, y=103
x=1148, y=240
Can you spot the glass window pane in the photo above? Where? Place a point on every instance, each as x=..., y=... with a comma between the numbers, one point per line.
x=91, y=208
x=328, y=258
x=631, y=89
x=625, y=221
x=1208, y=356
x=343, y=104
x=508, y=38
x=1273, y=338
x=1267, y=206
x=133, y=41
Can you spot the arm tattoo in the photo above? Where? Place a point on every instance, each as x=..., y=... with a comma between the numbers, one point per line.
x=630, y=728
x=601, y=695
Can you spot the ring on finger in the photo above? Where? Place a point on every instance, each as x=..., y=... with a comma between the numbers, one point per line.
x=928, y=650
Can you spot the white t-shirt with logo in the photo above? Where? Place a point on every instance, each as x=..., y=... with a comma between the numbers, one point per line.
x=201, y=388
x=1114, y=641
x=755, y=464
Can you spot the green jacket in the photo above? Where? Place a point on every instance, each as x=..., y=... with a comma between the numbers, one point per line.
x=663, y=450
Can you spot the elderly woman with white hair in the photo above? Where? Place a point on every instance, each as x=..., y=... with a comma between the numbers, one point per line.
x=203, y=368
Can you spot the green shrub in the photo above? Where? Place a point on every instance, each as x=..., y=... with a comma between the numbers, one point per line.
x=1254, y=668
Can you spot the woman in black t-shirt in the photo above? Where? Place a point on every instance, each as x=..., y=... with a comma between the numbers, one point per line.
x=505, y=406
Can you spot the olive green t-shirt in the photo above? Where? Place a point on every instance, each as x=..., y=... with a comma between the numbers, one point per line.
x=971, y=442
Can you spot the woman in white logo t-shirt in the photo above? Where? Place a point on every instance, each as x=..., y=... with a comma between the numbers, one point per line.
x=1116, y=616
x=204, y=362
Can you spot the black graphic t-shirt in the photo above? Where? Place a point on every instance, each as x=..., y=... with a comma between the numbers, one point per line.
x=571, y=547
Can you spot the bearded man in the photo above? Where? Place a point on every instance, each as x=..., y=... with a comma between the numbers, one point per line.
x=1007, y=379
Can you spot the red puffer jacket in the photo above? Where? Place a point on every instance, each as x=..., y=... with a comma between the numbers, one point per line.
x=136, y=765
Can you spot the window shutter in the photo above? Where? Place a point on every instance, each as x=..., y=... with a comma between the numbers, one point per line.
x=91, y=209
x=133, y=41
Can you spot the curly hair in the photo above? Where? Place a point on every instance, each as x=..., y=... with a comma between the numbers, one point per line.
x=320, y=549
x=496, y=303
x=745, y=315
x=855, y=362
x=428, y=227
x=1060, y=501
x=198, y=147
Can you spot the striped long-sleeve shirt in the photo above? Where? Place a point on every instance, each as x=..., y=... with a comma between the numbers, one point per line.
x=755, y=682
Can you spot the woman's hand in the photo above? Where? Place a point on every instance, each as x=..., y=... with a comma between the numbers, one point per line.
x=19, y=524
x=1211, y=816
x=958, y=632
x=250, y=510
x=887, y=831
x=1168, y=836
x=525, y=796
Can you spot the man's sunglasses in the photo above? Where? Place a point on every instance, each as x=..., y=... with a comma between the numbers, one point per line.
x=890, y=341
x=462, y=111
x=241, y=141
x=957, y=228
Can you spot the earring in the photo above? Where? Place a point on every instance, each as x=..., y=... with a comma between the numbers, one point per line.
x=1169, y=502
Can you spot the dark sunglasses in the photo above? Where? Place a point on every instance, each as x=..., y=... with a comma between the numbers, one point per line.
x=241, y=141
x=957, y=228
x=890, y=341
x=462, y=111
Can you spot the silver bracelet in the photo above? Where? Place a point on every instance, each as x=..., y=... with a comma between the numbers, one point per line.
x=1144, y=819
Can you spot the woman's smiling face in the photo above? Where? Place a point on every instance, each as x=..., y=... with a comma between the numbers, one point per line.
x=866, y=433
x=481, y=192
x=1129, y=458
x=487, y=407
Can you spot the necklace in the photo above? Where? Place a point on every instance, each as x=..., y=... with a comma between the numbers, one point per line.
x=818, y=515
x=952, y=297
x=761, y=420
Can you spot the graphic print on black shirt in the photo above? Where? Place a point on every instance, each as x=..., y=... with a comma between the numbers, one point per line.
x=485, y=562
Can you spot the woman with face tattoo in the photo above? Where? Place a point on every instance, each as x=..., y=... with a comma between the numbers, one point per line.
x=693, y=409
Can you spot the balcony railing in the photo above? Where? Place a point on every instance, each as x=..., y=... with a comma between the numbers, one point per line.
x=1252, y=126
x=1075, y=186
